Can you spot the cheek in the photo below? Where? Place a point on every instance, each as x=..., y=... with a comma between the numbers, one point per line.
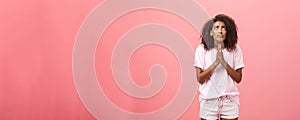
x=215, y=36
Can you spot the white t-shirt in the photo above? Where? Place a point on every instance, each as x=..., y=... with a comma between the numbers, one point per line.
x=220, y=83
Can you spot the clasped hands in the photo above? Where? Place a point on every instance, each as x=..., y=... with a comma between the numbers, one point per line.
x=219, y=58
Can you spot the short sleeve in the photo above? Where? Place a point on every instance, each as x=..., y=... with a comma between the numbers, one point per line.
x=199, y=60
x=238, y=58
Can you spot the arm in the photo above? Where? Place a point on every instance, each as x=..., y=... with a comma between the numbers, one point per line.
x=202, y=76
x=236, y=75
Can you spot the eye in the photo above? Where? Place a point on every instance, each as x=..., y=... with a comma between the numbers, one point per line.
x=223, y=28
x=216, y=27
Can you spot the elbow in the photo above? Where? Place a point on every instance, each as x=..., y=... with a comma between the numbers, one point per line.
x=239, y=76
x=200, y=81
x=239, y=80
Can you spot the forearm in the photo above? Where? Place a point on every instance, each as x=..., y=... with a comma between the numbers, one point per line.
x=202, y=76
x=236, y=75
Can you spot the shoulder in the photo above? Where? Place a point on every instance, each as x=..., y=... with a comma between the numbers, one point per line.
x=200, y=47
x=237, y=49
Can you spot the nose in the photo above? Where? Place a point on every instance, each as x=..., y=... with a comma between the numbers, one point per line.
x=220, y=30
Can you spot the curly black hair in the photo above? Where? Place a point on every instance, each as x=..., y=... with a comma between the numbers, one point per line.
x=231, y=32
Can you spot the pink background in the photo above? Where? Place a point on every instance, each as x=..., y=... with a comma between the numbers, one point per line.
x=37, y=38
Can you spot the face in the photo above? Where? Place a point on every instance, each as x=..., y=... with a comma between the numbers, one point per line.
x=218, y=31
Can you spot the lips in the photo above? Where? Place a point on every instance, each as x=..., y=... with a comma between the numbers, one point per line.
x=220, y=36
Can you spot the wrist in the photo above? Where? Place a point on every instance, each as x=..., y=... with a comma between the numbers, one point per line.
x=224, y=64
x=215, y=64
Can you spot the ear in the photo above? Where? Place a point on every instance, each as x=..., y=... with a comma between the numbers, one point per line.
x=211, y=34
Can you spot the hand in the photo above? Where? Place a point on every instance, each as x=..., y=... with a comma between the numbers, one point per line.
x=220, y=56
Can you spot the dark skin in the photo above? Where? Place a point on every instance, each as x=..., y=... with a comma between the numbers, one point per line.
x=218, y=32
x=203, y=76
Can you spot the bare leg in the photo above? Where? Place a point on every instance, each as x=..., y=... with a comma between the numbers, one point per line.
x=204, y=119
x=229, y=119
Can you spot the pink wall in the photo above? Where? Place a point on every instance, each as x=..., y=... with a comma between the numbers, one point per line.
x=37, y=42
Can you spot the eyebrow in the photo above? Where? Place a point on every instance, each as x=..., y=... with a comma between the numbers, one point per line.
x=223, y=26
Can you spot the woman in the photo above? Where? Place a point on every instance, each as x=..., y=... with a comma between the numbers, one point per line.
x=219, y=64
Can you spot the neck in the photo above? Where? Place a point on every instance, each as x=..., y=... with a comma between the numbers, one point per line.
x=217, y=45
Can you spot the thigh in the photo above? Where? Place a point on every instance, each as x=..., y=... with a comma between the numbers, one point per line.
x=229, y=119
x=205, y=119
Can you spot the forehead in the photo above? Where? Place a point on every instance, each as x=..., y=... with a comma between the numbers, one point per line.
x=219, y=23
